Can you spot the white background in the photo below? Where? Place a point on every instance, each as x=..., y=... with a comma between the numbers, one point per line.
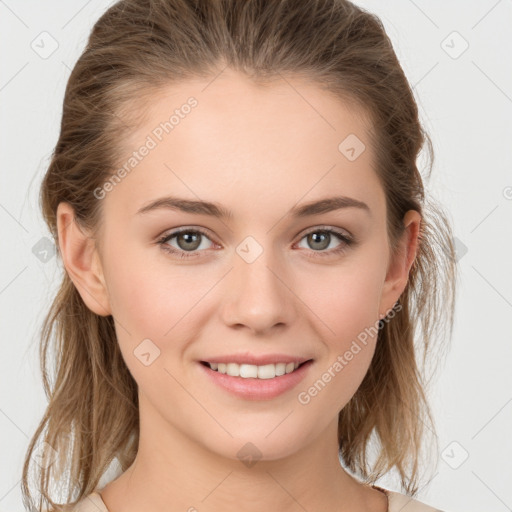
x=466, y=105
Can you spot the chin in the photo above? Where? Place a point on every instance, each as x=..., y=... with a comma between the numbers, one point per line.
x=267, y=445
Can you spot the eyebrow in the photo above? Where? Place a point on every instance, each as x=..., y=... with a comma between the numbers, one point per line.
x=216, y=210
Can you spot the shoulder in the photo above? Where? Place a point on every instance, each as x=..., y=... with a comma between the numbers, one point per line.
x=90, y=503
x=402, y=503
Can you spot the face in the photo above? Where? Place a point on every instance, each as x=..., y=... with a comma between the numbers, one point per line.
x=261, y=280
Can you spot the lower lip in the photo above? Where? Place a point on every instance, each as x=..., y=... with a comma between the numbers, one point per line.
x=257, y=389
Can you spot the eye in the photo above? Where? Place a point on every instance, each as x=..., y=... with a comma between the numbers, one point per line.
x=188, y=240
x=320, y=239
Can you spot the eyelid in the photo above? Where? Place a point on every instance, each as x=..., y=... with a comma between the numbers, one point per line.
x=181, y=229
x=324, y=227
x=170, y=234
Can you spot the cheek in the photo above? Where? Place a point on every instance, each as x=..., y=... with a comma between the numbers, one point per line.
x=346, y=301
x=138, y=301
x=346, y=305
x=147, y=295
x=159, y=302
x=153, y=316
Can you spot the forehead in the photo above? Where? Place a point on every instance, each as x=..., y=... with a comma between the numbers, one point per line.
x=270, y=144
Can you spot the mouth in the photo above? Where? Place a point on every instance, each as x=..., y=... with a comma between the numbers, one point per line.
x=256, y=382
x=250, y=371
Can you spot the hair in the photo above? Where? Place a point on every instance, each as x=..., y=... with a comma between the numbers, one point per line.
x=136, y=49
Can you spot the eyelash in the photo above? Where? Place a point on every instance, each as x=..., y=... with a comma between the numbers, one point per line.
x=346, y=242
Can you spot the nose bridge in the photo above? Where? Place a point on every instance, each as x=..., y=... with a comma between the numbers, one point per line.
x=260, y=298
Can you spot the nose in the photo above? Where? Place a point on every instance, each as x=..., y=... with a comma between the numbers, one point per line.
x=257, y=296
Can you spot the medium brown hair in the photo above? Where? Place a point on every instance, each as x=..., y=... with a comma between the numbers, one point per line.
x=137, y=48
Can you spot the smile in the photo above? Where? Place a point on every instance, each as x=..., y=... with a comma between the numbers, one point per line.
x=252, y=382
x=251, y=371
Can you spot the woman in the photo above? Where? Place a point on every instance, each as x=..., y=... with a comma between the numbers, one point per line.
x=248, y=252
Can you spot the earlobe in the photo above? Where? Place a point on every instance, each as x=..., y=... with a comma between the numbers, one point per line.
x=81, y=261
x=398, y=270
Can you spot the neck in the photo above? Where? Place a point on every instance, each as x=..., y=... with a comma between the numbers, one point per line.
x=173, y=470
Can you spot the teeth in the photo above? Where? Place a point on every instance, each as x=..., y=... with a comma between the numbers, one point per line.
x=246, y=371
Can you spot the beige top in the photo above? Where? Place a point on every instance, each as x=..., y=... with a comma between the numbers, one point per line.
x=397, y=503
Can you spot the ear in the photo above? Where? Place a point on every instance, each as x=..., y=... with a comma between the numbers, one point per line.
x=81, y=261
x=399, y=267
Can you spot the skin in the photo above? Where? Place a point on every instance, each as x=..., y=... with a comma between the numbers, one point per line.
x=258, y=151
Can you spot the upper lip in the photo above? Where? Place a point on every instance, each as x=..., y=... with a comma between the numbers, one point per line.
x=257, y=360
